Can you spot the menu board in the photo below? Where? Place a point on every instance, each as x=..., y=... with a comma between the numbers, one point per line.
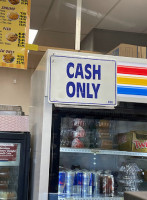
x=14, y=30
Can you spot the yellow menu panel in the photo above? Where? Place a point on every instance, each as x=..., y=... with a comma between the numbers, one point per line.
x=14, y=30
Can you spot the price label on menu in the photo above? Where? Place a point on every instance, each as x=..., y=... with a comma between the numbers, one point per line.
x=14, y=29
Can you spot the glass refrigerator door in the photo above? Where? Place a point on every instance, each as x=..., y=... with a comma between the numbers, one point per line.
x=99, y=154
x=9, y=170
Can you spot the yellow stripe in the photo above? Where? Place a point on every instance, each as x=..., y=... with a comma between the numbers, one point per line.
x=131, y=80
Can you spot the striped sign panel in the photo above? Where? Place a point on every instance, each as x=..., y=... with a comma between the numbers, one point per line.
x=131, y=79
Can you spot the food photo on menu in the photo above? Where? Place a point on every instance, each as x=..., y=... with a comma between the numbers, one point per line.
x=14, y=2
x=8, y=58
x=11, y=37
x=13, y=15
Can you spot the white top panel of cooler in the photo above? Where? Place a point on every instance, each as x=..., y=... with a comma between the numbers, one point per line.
x=44, y=65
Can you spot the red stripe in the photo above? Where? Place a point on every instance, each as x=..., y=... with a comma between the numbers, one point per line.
x=132, y=70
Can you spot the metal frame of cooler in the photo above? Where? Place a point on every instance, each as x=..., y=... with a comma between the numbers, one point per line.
x=55, y=197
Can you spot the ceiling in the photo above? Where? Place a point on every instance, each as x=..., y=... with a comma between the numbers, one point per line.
x=56, y=19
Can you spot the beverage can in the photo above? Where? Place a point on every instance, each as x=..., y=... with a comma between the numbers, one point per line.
x=78, y=122
x=79, y=175
x=87, y=184
x=105, y=185
x=96, y=184
x=107, y=172
x=61, y=183
x=70, y=183
x=111, y=185
x=101, y=183
x=100, y=171
x=80, y=132
x=76, y=143
x=75, y=167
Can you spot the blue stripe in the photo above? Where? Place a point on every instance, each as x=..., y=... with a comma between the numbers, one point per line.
x=128, y=90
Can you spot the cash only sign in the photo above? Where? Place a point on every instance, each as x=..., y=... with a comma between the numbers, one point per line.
x=81, y=79
x=14, y=29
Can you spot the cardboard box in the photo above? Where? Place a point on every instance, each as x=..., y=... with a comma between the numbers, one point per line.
x=145, y=175
x=129, y=50
x=135, y=195
x=133, y=141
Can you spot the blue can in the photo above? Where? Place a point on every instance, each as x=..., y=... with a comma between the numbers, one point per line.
x=87, y=184
x=62, y=184
x=71, y=182
x=79, y=175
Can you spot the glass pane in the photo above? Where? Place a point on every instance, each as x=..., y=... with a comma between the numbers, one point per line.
x=9, y=170
x=97, y=150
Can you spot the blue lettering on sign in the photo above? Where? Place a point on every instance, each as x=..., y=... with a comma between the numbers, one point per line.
x=87, y=70
x=79, y=71
x=88, y=91
x=97, y=71
x=96, y=89
x=83, y=90
x=68, y=70
x=72, y=86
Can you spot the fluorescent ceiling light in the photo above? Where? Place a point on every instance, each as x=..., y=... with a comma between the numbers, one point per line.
x=84, y=10
x=32, y=35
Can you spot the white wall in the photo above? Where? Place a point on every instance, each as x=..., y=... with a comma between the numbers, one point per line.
x=15, y=93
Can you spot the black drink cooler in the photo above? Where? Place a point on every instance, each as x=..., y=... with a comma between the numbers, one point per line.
x=14, y=165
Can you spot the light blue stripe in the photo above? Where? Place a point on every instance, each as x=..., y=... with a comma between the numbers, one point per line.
x=129, y=90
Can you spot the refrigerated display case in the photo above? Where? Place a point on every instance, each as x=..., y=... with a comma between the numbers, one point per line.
x=94, y=154
x=76, y=147
x=14, y=165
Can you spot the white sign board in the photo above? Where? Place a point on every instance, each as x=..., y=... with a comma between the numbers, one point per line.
x=82, y=81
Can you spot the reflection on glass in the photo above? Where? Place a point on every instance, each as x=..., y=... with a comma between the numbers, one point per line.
x=83, y=174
